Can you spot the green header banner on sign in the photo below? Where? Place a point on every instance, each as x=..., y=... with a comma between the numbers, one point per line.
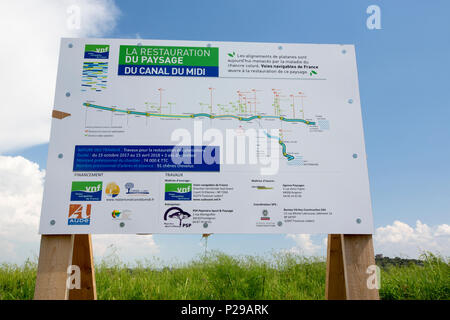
x=169, y=56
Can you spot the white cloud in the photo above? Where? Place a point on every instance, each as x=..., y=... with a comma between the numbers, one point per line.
x=128, y=248
x=21, y=188
x=400, y=239
x=304, y=245
x=442, y=230
x=30, y=31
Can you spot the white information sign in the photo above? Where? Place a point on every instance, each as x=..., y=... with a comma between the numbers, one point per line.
x=152, y=136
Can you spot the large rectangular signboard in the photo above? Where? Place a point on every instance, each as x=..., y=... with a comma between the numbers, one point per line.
x=153, y=136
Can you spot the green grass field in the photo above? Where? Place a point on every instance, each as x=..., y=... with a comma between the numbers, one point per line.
x=220, y=276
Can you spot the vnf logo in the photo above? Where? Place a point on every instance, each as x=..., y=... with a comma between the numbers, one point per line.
x=79, y=215
x=177, y=213
x=178, y=191
x=112, y=189
x=374, y=20
x=96, y=51
x=86, y=191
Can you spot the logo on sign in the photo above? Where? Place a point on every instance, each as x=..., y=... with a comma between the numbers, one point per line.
x=96, y=51
x=112, y=190
x=178, y=215
x=131, y=191
x=178, y=191
x=121, y=214
x=86, y=191
x=79, y=214
x=265, y=215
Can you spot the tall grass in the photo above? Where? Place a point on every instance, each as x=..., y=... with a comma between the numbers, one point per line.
x=220, y=276
x=17, y=282
x=428, y=282
x=216, y=276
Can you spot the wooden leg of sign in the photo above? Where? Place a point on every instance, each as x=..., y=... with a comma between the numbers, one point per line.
x=83, y=258
x=348, y=257
x=335, y=281
x=57, y=253
x=55, y=257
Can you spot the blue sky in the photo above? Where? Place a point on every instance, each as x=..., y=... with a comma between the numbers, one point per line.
x=403, y=76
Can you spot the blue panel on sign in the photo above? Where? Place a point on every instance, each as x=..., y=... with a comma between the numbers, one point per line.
x=96, y=55
x=168, y=71
x=146, y=158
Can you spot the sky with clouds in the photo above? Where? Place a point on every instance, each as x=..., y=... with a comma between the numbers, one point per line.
x=403, y=82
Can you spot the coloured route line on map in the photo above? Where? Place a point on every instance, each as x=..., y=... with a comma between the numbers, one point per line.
x=211, y=116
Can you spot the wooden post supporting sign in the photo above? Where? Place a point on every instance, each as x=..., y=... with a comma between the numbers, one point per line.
x=57, y=254
x=83, y=257
x=348, y=259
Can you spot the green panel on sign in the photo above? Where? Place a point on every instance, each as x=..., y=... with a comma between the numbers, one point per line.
x=87, y=185
x=169, y=56
x=96, y=47
x=178, y=187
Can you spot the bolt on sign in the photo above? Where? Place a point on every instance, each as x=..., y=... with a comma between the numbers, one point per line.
x=153, y=136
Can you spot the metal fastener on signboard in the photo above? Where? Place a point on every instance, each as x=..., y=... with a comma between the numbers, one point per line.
x=205, y=225
x=60, y=156
x=358, y=221
x=52, y=222
x=122, y=224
